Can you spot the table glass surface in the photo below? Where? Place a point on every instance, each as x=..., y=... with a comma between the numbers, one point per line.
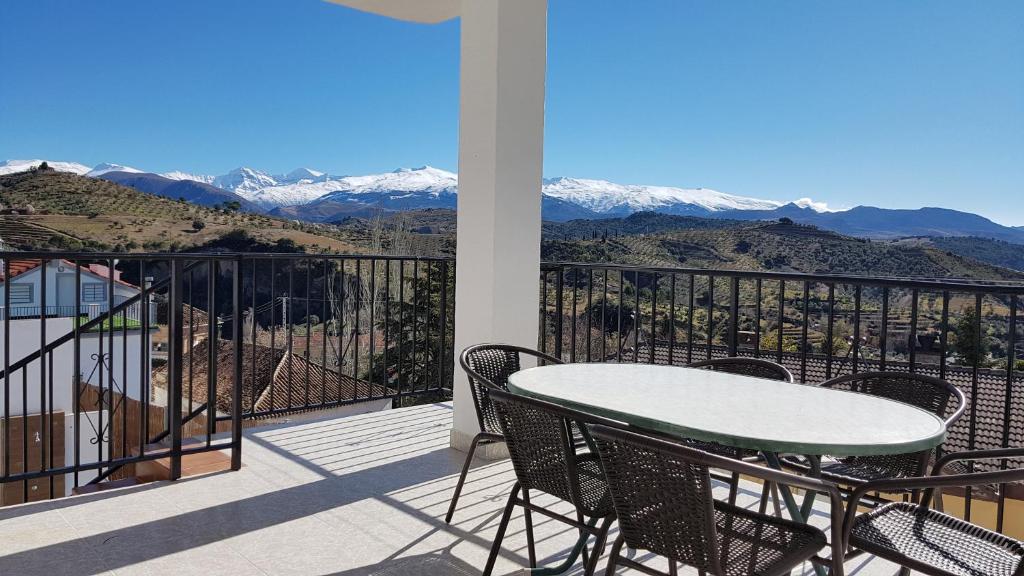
x=735, y=410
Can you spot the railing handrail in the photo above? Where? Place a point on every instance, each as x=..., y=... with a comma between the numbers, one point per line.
x=938, y=285
x=39, y=255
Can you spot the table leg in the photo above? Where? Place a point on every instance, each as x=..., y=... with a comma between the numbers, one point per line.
x=799, y=512
x=570, y=560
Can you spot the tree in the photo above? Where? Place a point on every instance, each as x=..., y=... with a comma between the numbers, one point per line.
x=198, y=225
x=44, y=166
x=970, y=343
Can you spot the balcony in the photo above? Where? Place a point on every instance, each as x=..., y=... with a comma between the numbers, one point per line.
x=320, y=382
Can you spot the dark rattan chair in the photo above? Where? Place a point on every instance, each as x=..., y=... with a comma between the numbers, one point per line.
x=925, y=392
x=758, y=368
x=927, y=541
x=540, y=442
x=662, y=495
x=488, y=367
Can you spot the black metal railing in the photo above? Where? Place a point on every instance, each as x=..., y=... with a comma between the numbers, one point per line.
x=203, y=342
x=819, y=326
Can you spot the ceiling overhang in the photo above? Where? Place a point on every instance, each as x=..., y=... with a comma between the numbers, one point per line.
x=425, y=11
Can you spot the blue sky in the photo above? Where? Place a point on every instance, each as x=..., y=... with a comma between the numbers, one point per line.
x=894, y=104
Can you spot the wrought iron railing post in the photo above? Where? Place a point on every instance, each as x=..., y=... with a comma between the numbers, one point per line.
x=176, y=343
x=734, y=316
x=236, y=338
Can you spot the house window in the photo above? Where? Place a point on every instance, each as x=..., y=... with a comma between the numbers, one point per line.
x=93, y=292
x=21, y=293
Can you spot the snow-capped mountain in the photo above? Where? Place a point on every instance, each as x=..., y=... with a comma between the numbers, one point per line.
x=12, y=166
x=244, y=181
x=610, y=198
x=179, y=175
x=101, y=169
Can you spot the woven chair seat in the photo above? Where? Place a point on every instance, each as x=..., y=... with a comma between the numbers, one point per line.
x=952, y=546
x=848, y=471
x=748, y=543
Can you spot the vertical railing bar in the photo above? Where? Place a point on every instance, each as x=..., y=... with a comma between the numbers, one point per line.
x=415, y=321
x=174, y=380
x=636, y=316
x=387, y=324
x=590, y=311
x=323, y=333
x=830, y=348
x=604, y=309
x=24, y=431
x=100, y=397
x=856, y=328
x=359, y=309
x=619, y=326
x=543, y=320
x=309, y=329
x=782, y=320
x=288, y=313
x=76, y=366
x=143, y=360
x=803, y=330
x=559, y=310
x=944, y=336
x=711, y=315
x=654, y=318
x=672, y=321
x=443, y=328
x=124, y=382
x=1011, y=360
x=426, y=328
x=191, y=336
x=757, y=317
x=341, y=324
x=50, y=481
x=975, y=370
x=236, y=336
x=212, y=351
x=883, y=339
x=7, y=376
x=45, y=426
x=734, y=316
x=401, y=331
x=575, y=319
x=273, y=334
x=913, y=330
x=689, y=319
x=252, y=346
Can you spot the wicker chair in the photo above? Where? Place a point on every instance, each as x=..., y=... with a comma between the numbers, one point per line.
x=757, y=368
x=488, y=367
x=540, y=443
x=927, y=541
x=662, y=494
x=926, y=392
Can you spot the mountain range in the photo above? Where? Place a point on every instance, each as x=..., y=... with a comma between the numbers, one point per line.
x=315, y=196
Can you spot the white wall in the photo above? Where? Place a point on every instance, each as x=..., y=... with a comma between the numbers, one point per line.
x=25, y=339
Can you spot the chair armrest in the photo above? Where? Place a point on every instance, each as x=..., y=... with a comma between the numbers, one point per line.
x=998, y=453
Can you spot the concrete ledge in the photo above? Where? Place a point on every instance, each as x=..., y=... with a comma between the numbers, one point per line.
x=494, y=451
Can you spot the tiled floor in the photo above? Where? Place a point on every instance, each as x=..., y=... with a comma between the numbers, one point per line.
x=363, y=495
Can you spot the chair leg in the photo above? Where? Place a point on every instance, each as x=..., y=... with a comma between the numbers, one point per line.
x=505, y=517
x=462, y=478
x=673, y=569
x=599, y=542
x=904, y=571
x=583, y=534
x=528, y=517
x=734, y=488
x=762, y=504
x=613, y=558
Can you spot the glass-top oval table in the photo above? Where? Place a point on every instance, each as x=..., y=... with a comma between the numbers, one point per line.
x=742, y=411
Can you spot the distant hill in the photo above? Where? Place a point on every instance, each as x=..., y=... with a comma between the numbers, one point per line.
x=80, y=212
x=775, y=247
x=885, y=223
x=192, y=191
x=996, y=252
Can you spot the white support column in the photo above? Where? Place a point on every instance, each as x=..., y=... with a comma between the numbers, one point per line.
x=501, y=140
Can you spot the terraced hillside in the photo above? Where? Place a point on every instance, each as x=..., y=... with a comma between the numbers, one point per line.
x=775, y=247
x=69, y=211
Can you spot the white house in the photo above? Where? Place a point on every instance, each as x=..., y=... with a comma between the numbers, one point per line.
x=26, y=286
